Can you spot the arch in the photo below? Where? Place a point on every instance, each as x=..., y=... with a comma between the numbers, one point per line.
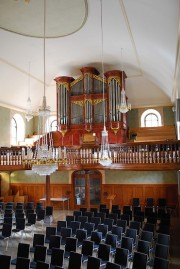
x=151, y=118
x=17, y=130
x=51, y=124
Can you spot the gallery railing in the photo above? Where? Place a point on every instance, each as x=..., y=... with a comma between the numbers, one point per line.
x=161, y=152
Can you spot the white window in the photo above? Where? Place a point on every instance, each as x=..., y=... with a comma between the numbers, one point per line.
x=151, y=118
x=17, y=130
x=51, y=124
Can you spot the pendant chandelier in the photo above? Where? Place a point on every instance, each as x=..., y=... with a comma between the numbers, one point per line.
x=105, y=154
x=124, y=106
x=29, y=113
x=45, y=158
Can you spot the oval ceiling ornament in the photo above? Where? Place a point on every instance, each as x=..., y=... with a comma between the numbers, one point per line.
x=63, y=17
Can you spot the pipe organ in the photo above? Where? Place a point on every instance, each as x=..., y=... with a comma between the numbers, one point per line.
x=81, y=106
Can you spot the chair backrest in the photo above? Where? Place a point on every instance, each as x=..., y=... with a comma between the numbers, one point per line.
x=69, y=218
x=150, y=227
x=121, y=256
x=126, y=217
x=112, y=265
x=5, y=261
x=113, y=216
x=109, y=222
x=20, y=223
x=96, y=221
x=118, y=231
x=82, y=220
x=57, y=257
x=135, y=202
x=22, y=263
x=139, y=260
x=135, y=225
x=104, y=251
x=161, y=251
x=60, y=224
x=41, y=214
x=75, y=260
x=101, y=215
x=114, y=207
x=54, y=241
x=89, y=214
x=127, y=243
x=23, y=250
x=42, y=265
x=132, y=233
x=31, y=218
x=8, y=219
x=146, y=236
x=65, y=232
x=122, y=223
x=93, y=262
x=149, y=202
x=81, y=235
x=76, y=214
x=38, y=239
x=83, y=210
x=163, y=239
x=143, y=247
x=89, y=227
x=75, y=225
x=50, y=230
x=6, y=230
x=96, y=237
x=160, y=263
x=71, y=244
x=49, y=210
x=103, y=228
x=162, y=202
x=40, y=253
x=87, y=248
x=111, y=239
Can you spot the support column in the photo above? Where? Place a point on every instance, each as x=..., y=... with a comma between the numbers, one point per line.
x=48, y=194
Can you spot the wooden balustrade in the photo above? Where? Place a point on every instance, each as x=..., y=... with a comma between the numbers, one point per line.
x=157, y=155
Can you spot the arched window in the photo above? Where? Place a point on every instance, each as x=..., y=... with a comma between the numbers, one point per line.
x=151, y=118
x=17, y=130
x=51, y=124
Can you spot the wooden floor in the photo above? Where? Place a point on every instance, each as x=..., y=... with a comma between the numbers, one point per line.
x=60, y=215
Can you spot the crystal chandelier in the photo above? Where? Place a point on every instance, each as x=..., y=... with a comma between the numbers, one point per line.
x=105, y=154
x=124, y=106
x=29, y=113
x=44, y=161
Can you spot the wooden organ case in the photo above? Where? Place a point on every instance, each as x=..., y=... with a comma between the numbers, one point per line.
x=80, y=108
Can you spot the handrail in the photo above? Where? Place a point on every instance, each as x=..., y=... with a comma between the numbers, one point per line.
x=158, y=152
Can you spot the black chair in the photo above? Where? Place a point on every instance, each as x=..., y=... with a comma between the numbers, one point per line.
x=96, y=237
x=162, y=203
x=82, y=219
x=94, y=210
x=60, y=224
x=22, y=263
x=139, y=260
x=160, y=263
x=149, y=227
x=31, y=221
x=42, y=265
x=54, y=242
x=57, y=257
x=49, y=210
x=29, y=205
x=147, y=236
x=163, y=239
x=103, y=228
x=144, y=247
x=5, y=261
x=111, y=239
x=38, y=239
x=127, y=243
x=132, y=233
x=69, y=218
x=114, y=207
x=75, y=260
x=6, y=233
x=106, y=211
x=109, y=222
x=123, y=224
x=74, y=226
x=76, y=214
x=121, y=257
x=50, y=230
x=29, y=211
x=117, y=231
x=89, y=227
x=39, y=255
x=113, y=216
x=101, y=206
x=83, y=210
x=101, y=215
x=80, y=235
x=135, y=202
x=89, y=214
x=22, y=251
x=96, y=221
x=149, y=202
x=148, y=211
x=20, y=226
x=41, y=216
x=65, y=232
x=112, y=265
x=87, y=249
x=103, y=253
x=93, y=262
x=126, y=217
x=71, y=245
x=135, y=225
x=161, y=251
